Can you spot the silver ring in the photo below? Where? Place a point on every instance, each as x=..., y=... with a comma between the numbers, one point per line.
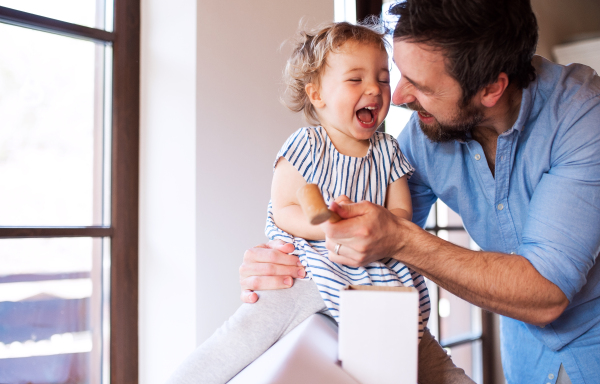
x=337, y=249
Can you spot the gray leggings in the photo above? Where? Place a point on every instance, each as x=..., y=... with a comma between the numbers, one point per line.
x=255, y=327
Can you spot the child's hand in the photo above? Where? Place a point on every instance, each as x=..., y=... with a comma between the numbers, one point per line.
x=342, y=200
x=268, y=266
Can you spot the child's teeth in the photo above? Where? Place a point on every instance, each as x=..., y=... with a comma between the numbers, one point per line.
x=362, y=113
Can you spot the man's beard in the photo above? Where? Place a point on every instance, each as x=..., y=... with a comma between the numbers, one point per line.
x=462, y=124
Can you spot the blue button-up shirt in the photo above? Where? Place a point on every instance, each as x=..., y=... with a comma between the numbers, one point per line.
x=542, y=204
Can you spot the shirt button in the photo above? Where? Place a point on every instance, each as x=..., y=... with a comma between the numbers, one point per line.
x=477, y=157
x=500, y=207
x=551, y=376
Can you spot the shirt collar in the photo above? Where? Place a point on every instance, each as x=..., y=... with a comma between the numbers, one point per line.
x=527, y=100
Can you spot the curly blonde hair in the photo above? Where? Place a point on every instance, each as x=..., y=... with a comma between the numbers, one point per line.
x=309, y=58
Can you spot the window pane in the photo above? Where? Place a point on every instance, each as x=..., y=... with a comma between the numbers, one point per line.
x=51, y=141
x=457, y=317
x=51, y=310
x=82, y=12
x=468, y=357
x=447, y=217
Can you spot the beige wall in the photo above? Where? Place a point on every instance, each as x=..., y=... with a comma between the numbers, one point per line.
x=560, y=21
x=211, y=124
x=240, y=127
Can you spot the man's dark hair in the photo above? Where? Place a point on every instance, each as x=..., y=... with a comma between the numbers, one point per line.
x=479, y=38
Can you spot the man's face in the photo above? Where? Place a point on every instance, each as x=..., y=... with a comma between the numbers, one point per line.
x=428, y=89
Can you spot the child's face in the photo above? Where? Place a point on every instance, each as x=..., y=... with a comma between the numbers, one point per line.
x=354, y=94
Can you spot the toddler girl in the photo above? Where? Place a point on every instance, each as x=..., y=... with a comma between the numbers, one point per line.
x=338, y=76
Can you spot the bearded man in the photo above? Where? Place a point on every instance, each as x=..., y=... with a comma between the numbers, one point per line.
x=510, y=142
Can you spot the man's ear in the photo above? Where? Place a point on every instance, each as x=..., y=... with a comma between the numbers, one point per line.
x=493, y=92
x=312, y=90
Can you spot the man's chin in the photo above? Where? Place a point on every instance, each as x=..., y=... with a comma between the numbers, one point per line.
x=444, y=134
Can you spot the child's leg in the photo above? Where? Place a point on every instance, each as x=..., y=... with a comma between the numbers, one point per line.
x=248, y=333
x=435, y=366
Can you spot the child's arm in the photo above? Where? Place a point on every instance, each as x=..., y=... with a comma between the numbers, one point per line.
x=397, y=199
x=286, y=210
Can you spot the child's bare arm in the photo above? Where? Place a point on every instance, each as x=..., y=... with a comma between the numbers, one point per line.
x=286, y=210
x=397, y=199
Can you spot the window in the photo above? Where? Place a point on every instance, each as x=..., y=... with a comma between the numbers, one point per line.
x=69, y=100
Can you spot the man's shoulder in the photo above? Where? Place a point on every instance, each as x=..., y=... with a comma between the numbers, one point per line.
x=566, y=106
x=565, y=87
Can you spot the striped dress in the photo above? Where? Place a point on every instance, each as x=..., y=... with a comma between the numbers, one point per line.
x=312, y=153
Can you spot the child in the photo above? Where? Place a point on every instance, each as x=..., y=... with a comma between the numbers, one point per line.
x=339, y=77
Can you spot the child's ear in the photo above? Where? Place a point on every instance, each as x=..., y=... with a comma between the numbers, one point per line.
x=312, y=90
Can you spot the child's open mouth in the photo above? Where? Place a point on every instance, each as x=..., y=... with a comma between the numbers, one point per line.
x=366, y=115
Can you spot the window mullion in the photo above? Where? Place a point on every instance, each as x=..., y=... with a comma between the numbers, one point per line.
x=46, y=24
x=40, y=232
x=125, y=191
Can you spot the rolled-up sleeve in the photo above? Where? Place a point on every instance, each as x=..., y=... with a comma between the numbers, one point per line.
x=561, y=237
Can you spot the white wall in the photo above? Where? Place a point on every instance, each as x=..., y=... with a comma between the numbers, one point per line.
x=241, y=126
x=585, y=52
x=211, y=124
x=167, y=187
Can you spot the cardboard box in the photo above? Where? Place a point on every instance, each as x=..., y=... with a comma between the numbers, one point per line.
x=378, y=335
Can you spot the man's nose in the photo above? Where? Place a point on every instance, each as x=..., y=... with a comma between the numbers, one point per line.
x=401, y=94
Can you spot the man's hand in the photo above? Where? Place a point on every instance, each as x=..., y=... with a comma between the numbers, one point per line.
x=368, y=233
x=268, y=266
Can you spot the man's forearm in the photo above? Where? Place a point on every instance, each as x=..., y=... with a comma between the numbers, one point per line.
x=501, y=283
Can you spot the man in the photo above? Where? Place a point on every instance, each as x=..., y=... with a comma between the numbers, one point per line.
x=510, y=142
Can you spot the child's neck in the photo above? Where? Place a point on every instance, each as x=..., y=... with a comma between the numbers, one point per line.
x=347, y=145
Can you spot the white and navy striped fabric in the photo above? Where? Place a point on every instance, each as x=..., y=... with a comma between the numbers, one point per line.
x=313, y=154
